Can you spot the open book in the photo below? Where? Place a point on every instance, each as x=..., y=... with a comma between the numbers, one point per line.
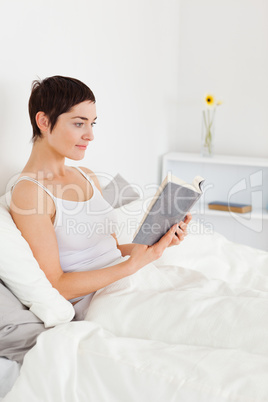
x=173, y=199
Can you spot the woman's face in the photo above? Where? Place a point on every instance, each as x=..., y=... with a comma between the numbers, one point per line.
x=73, y=131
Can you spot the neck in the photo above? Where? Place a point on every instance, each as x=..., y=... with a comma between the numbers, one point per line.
x=44, y=159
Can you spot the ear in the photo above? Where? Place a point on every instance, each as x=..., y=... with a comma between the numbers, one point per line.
x=42, y=121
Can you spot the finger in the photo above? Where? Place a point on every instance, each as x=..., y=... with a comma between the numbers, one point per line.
x=180, y=234
x=167, y=238
x=188, y=218
x=183, y=226
x=176, y=240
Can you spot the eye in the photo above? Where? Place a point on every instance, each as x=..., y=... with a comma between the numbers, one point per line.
x=78, y=124
x=93, y=124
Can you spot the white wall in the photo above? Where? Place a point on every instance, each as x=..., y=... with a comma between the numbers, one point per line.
x=149, y=63
x=126, y=51
x=224, y=50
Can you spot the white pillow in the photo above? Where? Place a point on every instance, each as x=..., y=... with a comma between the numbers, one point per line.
x=21, y=273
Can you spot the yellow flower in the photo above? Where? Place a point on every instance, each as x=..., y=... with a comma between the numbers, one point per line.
x=209, y=99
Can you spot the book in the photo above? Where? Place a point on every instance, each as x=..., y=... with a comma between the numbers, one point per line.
x=230, y=206
x=170, y=204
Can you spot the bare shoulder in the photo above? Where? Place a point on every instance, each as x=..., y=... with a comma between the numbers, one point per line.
x=27, y=199
x=24, y=192
x=92, y=175
x=31, y=209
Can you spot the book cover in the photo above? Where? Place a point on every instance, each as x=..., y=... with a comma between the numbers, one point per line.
x=173, y=199
x=230, y=206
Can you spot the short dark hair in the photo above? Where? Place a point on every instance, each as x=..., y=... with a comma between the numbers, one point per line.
x=54, y=96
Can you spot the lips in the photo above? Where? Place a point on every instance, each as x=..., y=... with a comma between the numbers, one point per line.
x=82, y=146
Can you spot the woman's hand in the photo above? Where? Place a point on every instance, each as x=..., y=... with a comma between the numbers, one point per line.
x=182, y=231
x=142, y=255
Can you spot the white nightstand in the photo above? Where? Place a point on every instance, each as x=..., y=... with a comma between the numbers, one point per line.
x=228, y=178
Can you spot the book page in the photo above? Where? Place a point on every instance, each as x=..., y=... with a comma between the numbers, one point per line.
x=195, y=186
x=197, y=183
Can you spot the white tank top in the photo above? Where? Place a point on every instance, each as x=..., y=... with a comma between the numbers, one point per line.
x=83, y=230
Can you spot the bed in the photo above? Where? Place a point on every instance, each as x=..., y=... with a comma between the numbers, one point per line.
x=192, y=327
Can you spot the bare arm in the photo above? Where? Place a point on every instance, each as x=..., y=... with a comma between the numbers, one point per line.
x=32, y=211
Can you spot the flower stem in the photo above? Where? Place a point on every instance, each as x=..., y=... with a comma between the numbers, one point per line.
x=208, y=123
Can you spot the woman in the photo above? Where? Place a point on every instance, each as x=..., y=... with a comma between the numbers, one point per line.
x=49, y=195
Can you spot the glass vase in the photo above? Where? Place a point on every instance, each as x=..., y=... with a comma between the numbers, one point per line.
x=208, y=132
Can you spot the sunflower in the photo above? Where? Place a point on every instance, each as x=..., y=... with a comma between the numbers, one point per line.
x=209, y=99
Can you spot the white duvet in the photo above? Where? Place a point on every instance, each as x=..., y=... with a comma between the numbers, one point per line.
x=193, y=327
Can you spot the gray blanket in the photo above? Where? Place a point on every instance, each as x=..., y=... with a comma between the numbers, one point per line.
x=19, y=327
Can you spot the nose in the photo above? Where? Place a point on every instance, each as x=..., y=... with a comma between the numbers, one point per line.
x=88, y=136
